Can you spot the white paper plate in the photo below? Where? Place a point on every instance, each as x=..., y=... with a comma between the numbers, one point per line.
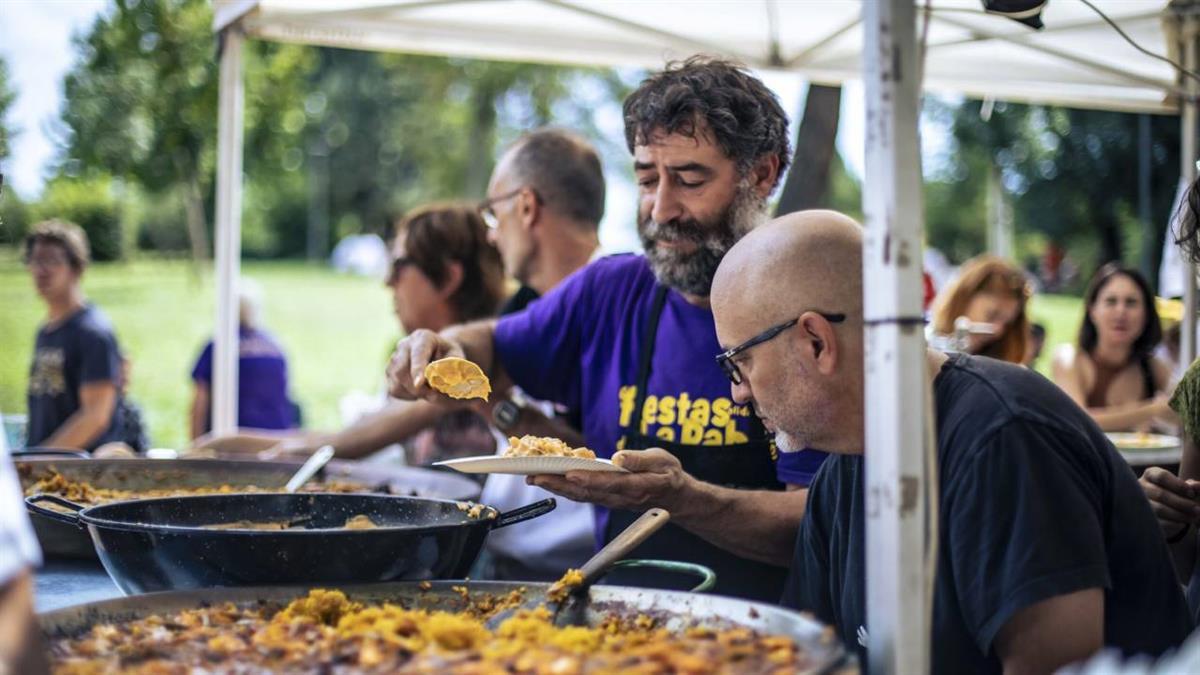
x=1135, y=442
x=528, y=466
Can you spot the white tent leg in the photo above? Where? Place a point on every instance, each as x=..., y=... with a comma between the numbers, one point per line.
x=229, y=233
x=897, y=623
x=1187, y=153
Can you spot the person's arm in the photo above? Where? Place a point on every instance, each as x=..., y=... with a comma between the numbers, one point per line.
x=97, y=400
x=1132, y=415
x=756, y=524
x=1173, y=499
x=1053, y=633
x=1066, y=375
x=200, y=406
x=393, y=423
x=21, y=648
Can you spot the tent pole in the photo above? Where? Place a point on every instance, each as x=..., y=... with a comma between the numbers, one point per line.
x=897, y=599
x=229, y=232
x=1187, y=340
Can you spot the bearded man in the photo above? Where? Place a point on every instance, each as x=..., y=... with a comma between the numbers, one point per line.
x=629, y=341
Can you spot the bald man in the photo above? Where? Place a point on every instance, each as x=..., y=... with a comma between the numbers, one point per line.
x=1048, y=550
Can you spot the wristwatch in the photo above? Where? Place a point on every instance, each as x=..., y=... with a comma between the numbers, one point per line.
x=505, y=415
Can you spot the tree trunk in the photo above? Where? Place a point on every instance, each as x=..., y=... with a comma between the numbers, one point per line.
x=482, y=139
x=1110, y=237
x=807, y=184
x=193, y=207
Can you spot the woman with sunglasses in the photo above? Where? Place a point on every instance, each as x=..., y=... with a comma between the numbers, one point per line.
x=443, y=272
x=1111, y=371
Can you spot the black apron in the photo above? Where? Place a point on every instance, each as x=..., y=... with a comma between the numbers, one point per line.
x=742, y=465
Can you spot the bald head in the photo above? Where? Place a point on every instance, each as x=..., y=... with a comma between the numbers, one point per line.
x=808, y=260
x=805, y=381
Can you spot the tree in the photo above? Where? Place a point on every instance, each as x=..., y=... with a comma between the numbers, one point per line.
x=808, y=180
x=344, y=139
x=1072, y=176
x=13, y=215
x=140, y=102
x=8, y=96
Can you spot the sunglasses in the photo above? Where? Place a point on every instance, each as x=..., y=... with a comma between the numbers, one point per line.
x=725, y=359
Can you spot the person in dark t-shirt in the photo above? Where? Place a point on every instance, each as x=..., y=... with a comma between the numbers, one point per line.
x=72, y=394
x=1047, y=549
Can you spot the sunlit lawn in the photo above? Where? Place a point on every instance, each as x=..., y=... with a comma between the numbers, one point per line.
x=1060, y=314
x=337, y=331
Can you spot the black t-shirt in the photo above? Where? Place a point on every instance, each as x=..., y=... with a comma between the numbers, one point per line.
x=518, y=301
x=1035, y=503
x=79, y=351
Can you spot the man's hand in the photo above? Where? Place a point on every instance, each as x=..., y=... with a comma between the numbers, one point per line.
x=406, y=372
x=656, y=480
x=1172, y=498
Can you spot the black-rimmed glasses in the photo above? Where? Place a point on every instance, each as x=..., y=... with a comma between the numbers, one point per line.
x=725, y=359
x=488, y=213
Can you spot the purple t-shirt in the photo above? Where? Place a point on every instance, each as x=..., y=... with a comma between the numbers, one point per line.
x=262, y=380
x=579, y=346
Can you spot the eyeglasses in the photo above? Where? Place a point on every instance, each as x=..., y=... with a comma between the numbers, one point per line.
x=489, y=214
x=725, y=359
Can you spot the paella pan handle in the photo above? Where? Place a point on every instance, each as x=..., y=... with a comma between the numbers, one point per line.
x=69, y=518
x=708, y=578
x=520, y=515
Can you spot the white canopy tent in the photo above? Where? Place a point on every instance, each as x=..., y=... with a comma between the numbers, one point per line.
x=1078, y=60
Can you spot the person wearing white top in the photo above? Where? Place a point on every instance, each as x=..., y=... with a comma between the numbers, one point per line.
x=20, y=642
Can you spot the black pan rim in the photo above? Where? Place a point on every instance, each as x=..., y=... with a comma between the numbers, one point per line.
x=87, y=518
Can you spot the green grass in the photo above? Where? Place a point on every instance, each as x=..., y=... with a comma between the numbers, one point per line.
x=337, y=331
x=1060, y=314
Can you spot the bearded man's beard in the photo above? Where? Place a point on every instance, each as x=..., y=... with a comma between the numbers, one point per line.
x=692, y=272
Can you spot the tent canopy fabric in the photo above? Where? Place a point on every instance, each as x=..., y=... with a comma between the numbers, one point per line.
x=1077, y=60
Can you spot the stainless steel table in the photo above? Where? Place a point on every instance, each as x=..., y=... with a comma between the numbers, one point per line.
x=60, y=583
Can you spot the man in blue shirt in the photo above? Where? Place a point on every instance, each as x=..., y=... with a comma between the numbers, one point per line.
x=263, y=401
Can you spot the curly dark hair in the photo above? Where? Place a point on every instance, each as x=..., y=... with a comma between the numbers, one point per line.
x=1187, y=223
x=707, y=95
x=1151, y=334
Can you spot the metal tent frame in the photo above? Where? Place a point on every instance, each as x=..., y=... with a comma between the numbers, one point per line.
x=1078, y=60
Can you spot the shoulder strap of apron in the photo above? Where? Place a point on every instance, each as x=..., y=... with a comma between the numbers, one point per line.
x=647, y=354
